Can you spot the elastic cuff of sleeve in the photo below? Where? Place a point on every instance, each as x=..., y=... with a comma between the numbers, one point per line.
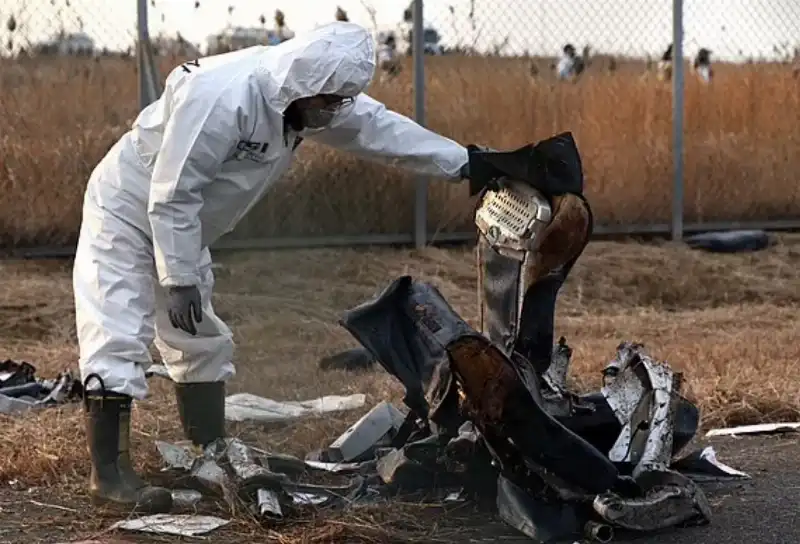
x=180, y=280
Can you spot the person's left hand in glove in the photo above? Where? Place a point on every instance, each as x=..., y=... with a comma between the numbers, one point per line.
x=477, y=185
x=184, y=304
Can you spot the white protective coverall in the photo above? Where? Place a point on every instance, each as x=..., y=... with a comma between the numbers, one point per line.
x=192, y=165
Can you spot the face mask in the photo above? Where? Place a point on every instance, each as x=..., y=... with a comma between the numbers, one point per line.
x=317, y=118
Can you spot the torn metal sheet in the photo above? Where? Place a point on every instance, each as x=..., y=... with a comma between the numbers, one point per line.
x=404, y=327
x=21, y=391
x=309, y=499
x=248, y=407
x=63, y=389
x=247, y=463
x=229, y=466
x=287, y=464
x=251, y=476
x=185, y=498
x=335, y=468
x=269, y=504
x=623, y=391
x=383, y=421
x=171, y=524
x=764, y=428
x=397, y=470
x=208, y=469
x=643, y=394
x=418, y=466
x=555, y=377
x=703, y=466
x=670, y=499
x=177, y=457
x=486, y=374
x=303, y=494
x=14, y=373
x=708, y=454
x=210, y=474
x=455, y=496
x=657, y=448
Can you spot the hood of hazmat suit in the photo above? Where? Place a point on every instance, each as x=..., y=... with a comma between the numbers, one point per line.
x=216, y=140
x=199, y=158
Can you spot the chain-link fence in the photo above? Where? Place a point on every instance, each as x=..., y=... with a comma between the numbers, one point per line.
x=501, y=73
x=67, y=28
x=720, y=140
x=514, y=71
x=68, y=86
x=742, y=93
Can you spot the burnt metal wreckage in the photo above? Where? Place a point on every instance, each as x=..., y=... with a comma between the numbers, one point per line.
x=22, y=390
x=493, y=406
x=490, y=414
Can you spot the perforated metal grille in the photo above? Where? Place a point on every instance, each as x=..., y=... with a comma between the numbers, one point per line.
x=511, y=211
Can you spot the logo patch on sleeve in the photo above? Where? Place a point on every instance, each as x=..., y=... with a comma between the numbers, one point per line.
x=254, y=151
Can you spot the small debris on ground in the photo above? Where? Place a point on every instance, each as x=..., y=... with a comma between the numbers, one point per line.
x=247, y=407
x=21, y=390
x=761, y=429
x=167, y=524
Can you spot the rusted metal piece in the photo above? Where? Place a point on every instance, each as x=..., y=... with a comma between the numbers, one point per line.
x=504, y=402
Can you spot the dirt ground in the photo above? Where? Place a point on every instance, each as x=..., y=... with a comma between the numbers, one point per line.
x=729, y=322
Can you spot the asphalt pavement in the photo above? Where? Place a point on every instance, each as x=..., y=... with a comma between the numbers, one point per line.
x=763, y=510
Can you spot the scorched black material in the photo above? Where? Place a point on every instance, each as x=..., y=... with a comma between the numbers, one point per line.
x=405, y=328
x=553, y=166
x=542, y=521
x=410, y=327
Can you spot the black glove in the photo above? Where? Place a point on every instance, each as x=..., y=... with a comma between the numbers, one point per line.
x=553, y=166
x=183, y=304
x=478, y=184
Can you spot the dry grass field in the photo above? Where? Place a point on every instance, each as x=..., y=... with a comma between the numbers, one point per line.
x=58, y=118
x=729, y=322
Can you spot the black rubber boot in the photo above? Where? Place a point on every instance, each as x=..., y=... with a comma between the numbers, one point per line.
x=113, y=481
x=201, y=407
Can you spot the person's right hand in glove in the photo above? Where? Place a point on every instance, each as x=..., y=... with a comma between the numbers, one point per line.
x=184, y=304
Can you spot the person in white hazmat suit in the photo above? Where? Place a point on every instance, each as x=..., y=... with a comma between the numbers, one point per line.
x=195, y=161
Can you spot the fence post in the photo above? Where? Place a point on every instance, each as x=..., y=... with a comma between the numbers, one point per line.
x=677, y=119
x=142, y=36
x=421, y=187
x=148, y=75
